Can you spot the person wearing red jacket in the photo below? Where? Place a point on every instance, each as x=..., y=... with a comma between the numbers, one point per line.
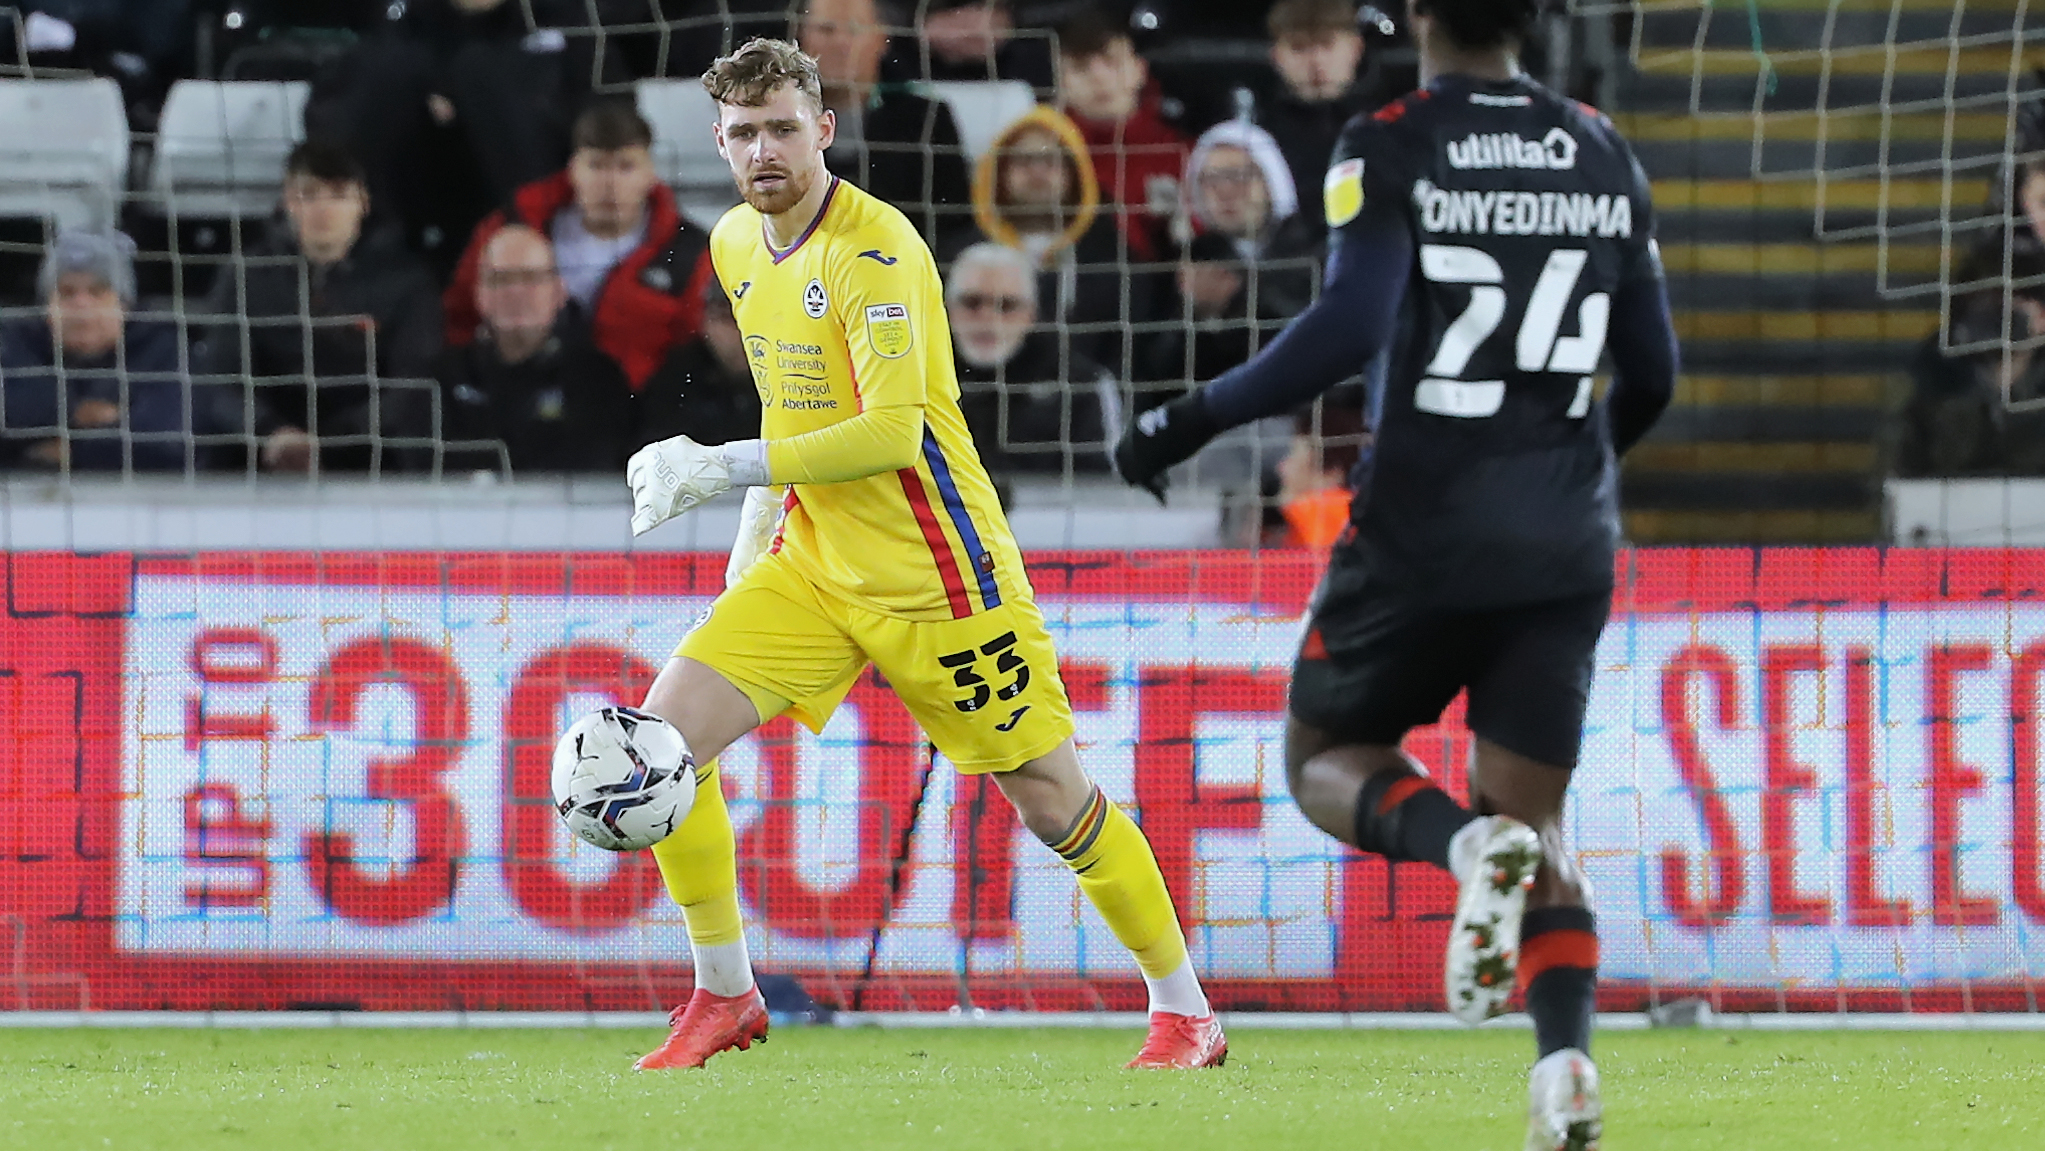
x=625, y=253
x=1138, y=155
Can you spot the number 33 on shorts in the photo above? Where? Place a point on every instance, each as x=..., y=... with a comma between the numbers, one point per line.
x=1006, y=661
x=1002, y=702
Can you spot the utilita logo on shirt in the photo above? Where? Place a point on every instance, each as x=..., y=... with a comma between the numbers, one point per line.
x=1556, y=150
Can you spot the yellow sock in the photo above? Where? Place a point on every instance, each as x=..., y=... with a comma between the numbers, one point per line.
x=699, y=864
x=1119, y=876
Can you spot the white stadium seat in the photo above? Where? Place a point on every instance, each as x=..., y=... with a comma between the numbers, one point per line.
x=982, y=108
x=221, y=145
x=681, y=114
x=63, y=151
x=684, y=151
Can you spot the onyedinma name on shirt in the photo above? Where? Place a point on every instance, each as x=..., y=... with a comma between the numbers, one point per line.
x=1522, y=213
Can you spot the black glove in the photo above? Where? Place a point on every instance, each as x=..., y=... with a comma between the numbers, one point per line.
x=1162, y=437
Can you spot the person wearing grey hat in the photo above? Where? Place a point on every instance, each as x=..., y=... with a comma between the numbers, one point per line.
x=109, y=257
x=85, y=387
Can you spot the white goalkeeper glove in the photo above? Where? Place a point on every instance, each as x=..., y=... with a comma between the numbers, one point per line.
x=678, y=475
x=756, y=524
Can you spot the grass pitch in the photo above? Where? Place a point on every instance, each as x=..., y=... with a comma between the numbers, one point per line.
x=821, y=1089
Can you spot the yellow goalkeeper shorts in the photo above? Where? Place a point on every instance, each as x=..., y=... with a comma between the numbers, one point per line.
x=985, y=689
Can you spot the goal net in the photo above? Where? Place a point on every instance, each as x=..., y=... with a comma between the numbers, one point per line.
x=280, y=739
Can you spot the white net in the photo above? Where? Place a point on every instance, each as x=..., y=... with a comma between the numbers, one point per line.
x=1907, y=127
x=281, y=735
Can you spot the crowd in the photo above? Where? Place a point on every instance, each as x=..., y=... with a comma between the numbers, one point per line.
x=1977, y=397
x=475, y=262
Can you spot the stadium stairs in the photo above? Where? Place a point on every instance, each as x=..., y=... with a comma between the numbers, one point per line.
x=1793, y=360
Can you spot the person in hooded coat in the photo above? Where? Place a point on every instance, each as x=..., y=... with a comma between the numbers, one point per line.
x=1239, y=187
x=1034, y=190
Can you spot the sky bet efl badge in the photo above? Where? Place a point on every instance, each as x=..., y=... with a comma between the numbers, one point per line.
x=887, y=330
x=1343, y=192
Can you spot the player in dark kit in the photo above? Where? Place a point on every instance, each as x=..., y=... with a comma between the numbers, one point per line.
x=1497, y=238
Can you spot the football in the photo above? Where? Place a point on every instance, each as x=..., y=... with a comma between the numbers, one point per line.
x=623, y=779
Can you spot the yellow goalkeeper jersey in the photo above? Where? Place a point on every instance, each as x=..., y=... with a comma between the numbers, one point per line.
x=848, y=319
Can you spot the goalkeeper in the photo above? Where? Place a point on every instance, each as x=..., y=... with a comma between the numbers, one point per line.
x=885, y=544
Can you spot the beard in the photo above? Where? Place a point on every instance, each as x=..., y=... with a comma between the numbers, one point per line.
x=987, y=352
x=772, y=201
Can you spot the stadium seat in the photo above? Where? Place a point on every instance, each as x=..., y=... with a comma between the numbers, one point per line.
x=684, y=151
x=221, y=146
x=982, y=108
x=63, y=151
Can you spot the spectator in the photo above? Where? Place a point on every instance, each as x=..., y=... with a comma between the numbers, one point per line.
x=1209, y=324
x=1312, y=502
x=971, y=40
x=1137, y=156
x=706, y=389
x=325, y=314
x=1316, y=51
x=1960, y=419
x=1238, y=187
x=891, y=142
x=532, y=379
x=680, y=38
x=457, y=105
x=1030, y=404
x=1034, y=190
x=84, y=386
x=626, y=255
x=142, y=45
x=2031, y=197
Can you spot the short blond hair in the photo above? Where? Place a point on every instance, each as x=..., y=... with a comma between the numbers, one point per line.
x=750, y=76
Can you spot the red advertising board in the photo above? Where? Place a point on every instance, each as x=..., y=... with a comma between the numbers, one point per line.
x=263, y=780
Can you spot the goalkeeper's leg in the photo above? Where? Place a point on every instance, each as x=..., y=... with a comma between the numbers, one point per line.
x=1120, y=877
x=699, y=865
x=769, y=646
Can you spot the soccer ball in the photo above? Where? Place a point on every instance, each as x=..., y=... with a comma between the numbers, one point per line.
x=623, y=779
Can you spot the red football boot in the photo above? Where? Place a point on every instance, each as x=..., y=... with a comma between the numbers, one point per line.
x=1182, y=1041
x=706, y=1025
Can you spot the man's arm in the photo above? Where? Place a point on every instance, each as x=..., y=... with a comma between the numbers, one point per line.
x=1642, y=340
x=677, y=475
x=874, y=441
x=1332, y=340
x=1370, y=259
x=887, y=312
x=1329, y=342
x=1640, y=336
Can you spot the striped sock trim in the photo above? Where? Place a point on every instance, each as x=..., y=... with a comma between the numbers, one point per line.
x=1402, y=791
x=1086, y=828
x=1553, y=937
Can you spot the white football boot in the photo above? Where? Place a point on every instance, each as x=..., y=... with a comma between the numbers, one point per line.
x=1563, y=1109
x=1494, y=859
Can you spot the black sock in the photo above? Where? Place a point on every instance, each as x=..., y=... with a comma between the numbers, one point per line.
x=1559, y=973
x=1401, y=815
